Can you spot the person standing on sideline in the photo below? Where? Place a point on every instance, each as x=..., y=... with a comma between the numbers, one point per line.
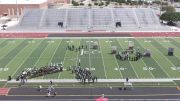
x=51, y=82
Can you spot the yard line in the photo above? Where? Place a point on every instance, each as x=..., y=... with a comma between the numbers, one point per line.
x=1, y=57
x=156, y=61
x=53, y=55
x=25, y=60
x=148, y=69
x=42, y=53
x=102, y=60
x=129, y=61
x=77, y=56
x=173, y=43
x=63, y=62
x=162, y=54
x=89, y=56
x=117, y=63
x=175, y=40
x=15, y=55
x=13, y=59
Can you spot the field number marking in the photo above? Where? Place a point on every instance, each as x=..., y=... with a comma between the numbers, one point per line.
x=175, y=68
x=31, y=41
x=148, y=41
x=90, y=69
x=12, y=41
x=148, y=68
x=50, y=41
x=121, y=69
x=4, y=69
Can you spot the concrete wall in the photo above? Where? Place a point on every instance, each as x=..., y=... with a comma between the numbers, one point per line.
x=59, y=1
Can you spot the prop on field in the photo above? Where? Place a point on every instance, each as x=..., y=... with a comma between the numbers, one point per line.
x=131, y=46
x=95, y=45
x=113, y=49
x=36, y=72
x=147, y=53
x=83, y=74
x=73, y=48
x=170, y=51
x=129, y=54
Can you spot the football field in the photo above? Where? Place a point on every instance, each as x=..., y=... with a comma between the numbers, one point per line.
x=18, y=54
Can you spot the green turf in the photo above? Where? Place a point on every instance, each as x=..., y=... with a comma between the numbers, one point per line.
x=17, y=54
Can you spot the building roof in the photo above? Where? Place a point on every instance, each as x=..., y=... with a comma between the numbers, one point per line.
x=22, y=1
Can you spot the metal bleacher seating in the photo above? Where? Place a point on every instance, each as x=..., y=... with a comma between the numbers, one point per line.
x=31, y=18
x=132, y=19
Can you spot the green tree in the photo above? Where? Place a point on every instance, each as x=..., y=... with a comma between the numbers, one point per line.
x=157, y=2
x=75, y=3
x=140, y=2
x=129, y=1
x=168, y=9
x=89, y=5
x=96, y=3
x=81, y=4
x=170, y=16
x=107, y=3
x=101, y=4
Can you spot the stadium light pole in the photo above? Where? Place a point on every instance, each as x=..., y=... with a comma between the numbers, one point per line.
x=17, y=11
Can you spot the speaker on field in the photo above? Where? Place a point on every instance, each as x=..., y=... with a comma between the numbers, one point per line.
x=170, y=51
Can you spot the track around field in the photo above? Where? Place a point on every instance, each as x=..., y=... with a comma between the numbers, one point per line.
x=90, y=94
x=86, y=34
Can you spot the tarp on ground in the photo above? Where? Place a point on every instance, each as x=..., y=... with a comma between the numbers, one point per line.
x=102, y=99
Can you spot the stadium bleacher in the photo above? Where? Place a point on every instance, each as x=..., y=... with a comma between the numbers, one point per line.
x=85, y=19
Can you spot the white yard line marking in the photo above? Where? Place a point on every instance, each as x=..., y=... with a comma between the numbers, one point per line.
x=9, y=50
x=79, y=43
x=82, y=51
x=42, y=53
x=16, y=54
x=129, y=61
x=102, y=60
x=156, y=61
x=63, y=62
x=53, y=55
x=13, y=59
x=163, y=56
x=175, y=40
x=117, y=64
x=89, y=55
x=148, y=69
x=25, y=59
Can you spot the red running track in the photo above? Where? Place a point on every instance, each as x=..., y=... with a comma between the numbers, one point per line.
x=155, y=34
x=88, y=34
x=4, y=91
x=23, y=35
